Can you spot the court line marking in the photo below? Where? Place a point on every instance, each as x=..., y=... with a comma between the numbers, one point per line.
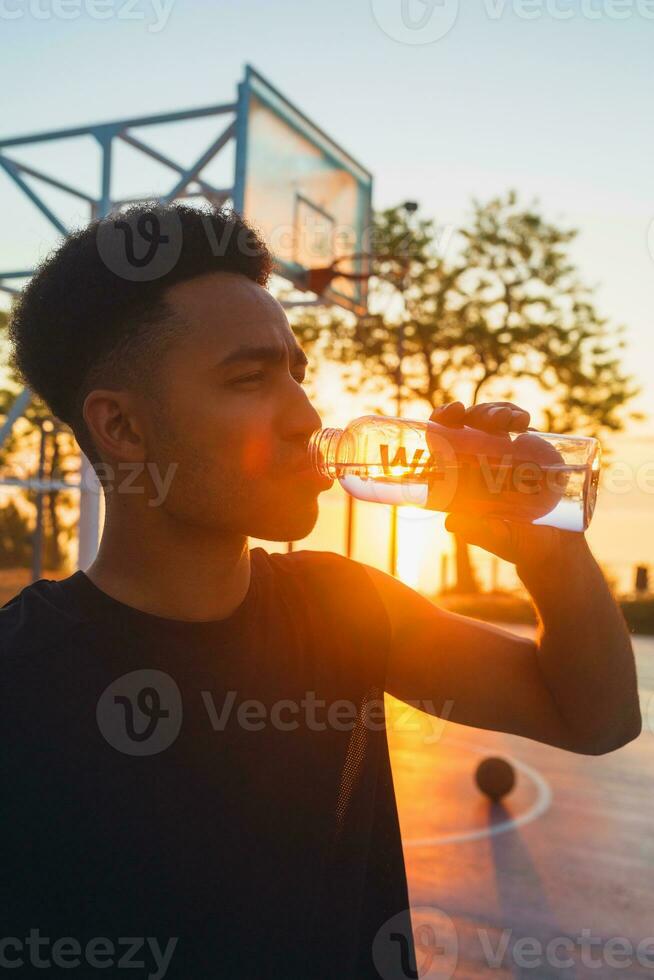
x=539, y=807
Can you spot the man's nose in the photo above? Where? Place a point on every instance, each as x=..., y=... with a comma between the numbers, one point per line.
x=299, y=417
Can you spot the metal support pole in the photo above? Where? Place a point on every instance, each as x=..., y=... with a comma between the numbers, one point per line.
x=105, y=138
x=14, y=413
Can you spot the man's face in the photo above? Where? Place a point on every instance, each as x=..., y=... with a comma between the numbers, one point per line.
x=237, y=417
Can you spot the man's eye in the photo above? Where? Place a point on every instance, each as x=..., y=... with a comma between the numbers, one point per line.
x=249, y=377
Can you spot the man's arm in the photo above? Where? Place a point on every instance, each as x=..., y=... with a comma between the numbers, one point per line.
x=573, y=687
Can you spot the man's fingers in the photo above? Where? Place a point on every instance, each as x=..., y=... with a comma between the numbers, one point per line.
x=452, y=414
x=491, y=533
x=497, y=417
x=510, y=540
x=493, y=417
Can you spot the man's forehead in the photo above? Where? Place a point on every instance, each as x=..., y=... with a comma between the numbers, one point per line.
x=228, y=310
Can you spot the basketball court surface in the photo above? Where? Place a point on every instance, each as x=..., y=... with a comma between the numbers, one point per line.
x=567, y=854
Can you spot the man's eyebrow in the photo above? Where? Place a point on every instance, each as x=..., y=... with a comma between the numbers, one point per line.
x=271, y=355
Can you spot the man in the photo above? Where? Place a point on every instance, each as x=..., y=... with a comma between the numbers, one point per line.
x=194, y=744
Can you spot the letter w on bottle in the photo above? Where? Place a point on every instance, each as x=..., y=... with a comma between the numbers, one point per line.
x=433, y=465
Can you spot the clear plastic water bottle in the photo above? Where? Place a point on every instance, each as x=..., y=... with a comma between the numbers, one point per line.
x=532, y=477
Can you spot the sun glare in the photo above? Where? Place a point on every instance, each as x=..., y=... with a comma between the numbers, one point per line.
x=422, y=540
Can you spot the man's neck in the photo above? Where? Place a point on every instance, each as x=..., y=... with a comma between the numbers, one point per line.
x=178, y=572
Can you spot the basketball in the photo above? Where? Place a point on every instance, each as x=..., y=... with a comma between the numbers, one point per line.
x=495, y=777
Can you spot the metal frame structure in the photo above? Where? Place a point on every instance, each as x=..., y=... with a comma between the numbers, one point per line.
x=187, y=183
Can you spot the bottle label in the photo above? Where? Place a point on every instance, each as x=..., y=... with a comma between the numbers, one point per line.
x=433, y=466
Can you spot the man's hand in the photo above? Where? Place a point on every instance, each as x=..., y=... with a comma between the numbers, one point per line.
x=535, y=551
x=494, y=417
x=527, y=546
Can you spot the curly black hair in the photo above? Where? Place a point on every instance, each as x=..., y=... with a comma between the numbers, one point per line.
x=94, y=313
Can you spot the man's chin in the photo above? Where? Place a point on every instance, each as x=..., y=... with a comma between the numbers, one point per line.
x=286, y=526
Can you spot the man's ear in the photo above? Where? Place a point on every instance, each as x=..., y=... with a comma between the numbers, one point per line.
x=114, y=424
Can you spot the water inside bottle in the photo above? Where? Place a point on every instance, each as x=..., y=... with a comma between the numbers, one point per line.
x=559, y=495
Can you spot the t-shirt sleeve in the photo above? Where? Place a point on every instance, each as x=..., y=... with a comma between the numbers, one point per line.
x=345, y=603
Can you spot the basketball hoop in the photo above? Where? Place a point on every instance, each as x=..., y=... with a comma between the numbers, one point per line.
x=319, y=279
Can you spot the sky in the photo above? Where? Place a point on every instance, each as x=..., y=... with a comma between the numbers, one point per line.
x=550, y=97
x=556, y=105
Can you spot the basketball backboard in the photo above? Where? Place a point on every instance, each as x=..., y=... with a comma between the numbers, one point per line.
x=308, y=198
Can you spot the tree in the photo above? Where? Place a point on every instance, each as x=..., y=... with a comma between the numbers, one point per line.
x=19, y=458
x=526, y=315
x=501, y=306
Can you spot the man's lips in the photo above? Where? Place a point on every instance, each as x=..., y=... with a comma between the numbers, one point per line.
x=300, y=464
x=307, y=472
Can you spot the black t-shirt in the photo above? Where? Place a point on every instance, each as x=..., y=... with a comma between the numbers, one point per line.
x=223, y=783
